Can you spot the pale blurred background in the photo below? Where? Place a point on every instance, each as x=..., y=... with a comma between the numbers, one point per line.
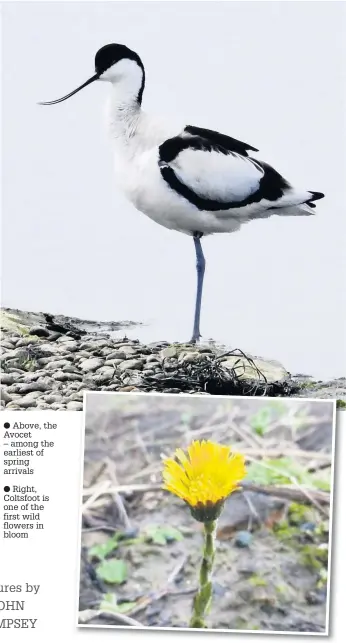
x=268, y=73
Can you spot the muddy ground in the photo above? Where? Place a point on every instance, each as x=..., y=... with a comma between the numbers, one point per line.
x=140, y=546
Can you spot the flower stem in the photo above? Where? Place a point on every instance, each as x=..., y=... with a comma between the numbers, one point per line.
x=203, y=597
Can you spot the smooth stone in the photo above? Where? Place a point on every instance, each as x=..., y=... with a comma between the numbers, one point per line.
x=42, y=378
x=71, y=346
x=243, y=539
x=4, y=395
x=158, y=345
x=73, y=377
x=71, y=369
x=131, y=364
x=26, y=341
x=18, y=387
x=94, y=345
x=152, y=358
x=170, y=351
x=31, y=377
x=40, y=331
x=34, y=386
x=120, y=355
x=190, y=357
x=127, y=343
x=62, y=377
x=65, y=338
x=273, y=371
x=27, y=401
x=43, y=361
x=106, y=351
x=111, y=387
x=51, y=349
x=113, y=362
x=66, y=356
x=129, y=350
x=7, y=378
x=99, y=380
x=104, y=374
x=53, y=336
x=79, y=386
x=15, y=353
x=74, y=406
x=76, y=397
x=13, y=388
x=7, y=344
x=91, y=364
x=82, y=355
x=58, y=364
x=53, y=399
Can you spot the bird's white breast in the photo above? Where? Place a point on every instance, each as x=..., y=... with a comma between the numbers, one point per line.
x=137, y=172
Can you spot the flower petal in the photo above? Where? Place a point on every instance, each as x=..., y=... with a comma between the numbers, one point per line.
x=205, y=475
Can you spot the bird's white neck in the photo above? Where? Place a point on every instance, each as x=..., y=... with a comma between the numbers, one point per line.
x=131, y=129
x=123, y=111
x=126, y=80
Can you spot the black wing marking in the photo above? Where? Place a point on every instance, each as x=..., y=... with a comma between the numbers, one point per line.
x=202, y=139
x=171, y=148
x=215, y=138
x=272, y=185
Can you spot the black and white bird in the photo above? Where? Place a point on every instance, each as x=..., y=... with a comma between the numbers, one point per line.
x=186, y=178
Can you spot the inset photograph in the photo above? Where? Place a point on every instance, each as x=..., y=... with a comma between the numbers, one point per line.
x=206, y=512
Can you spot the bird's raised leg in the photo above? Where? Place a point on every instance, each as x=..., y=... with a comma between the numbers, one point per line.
x=200, y=267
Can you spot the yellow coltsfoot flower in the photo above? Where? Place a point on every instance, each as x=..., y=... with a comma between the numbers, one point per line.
x=204, y=477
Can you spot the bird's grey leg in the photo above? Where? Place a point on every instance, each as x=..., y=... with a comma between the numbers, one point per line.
x=200, y=267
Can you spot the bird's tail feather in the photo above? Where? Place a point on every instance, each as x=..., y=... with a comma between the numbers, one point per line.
x=303, y=209
x=315, y=197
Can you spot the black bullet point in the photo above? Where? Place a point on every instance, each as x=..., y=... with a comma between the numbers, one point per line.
x=7, y=488
x=7, y=425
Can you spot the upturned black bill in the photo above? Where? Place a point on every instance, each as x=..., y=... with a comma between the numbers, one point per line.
x=60, y=100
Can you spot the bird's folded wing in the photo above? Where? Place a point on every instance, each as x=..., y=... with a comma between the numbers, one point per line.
x=211, y=175
x=207, y=174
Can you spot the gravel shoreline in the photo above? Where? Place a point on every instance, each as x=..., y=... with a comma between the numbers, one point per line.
x=47, y=362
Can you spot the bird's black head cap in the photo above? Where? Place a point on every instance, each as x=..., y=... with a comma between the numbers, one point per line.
x=111, y=54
